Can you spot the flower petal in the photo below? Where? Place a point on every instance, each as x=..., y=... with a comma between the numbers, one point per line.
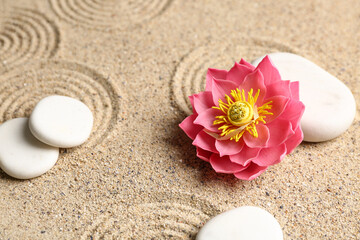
x=203, y=101
x=224, y=165
x=188, y=126
x=228, y=147
x=294, y=140
x=294, y=87
x=243, y=62
x=245, y=156
x=220, y=88
x=269, y=71
x=205, y=141
x=278, y=105
x=260, y=141
x=251, y=172
x=238, y=73
x=214, y=73
x=207, y=118
x=255, y=81
x=203, y=154
x=278, y=88
x=270, y=156
x=293, y=112
x=279, y=130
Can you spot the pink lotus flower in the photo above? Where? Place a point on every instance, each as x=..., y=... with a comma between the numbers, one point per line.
x=246, y=120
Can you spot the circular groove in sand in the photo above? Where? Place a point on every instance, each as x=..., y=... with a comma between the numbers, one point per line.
x=108, y=14
x=21, y=89
x=26, y=34
x=169, y=218
x=190, y=73
x=22, y=43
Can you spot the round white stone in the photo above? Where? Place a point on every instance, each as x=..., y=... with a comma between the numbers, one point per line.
x=61, y=121
x=329, y=105
x=21, y=154
x=250, y=223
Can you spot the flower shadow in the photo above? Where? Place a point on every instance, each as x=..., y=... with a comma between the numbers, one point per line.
x=186, y=153
x=6, y=177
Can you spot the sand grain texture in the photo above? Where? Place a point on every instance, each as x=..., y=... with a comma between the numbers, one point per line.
x=134, y=63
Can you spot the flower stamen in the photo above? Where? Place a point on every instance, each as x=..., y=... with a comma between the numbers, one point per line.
x=240, y=114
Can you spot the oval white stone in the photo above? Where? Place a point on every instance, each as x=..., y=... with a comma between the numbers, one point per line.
x=329, y=105
x=250, y=223
x=61, y=121
x=21, y=154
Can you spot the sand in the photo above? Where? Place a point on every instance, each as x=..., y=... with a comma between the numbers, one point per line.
x=134, y=63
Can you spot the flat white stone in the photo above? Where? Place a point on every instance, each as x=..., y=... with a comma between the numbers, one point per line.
x=21, y=154
x=250, y=223
x=61, y=121
x=329, y=105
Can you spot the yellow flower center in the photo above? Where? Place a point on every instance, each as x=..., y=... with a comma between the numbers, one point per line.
x=240, y=114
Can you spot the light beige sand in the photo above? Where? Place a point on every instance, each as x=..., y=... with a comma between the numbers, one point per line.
x=133, y=63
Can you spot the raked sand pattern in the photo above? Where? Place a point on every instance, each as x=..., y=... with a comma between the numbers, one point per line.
x=108, y=14
x=25, y=35
x=134, y=63
x=169, y=216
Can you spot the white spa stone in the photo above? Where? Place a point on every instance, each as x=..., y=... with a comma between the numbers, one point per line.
x=61, y=121
x=250, y=223
x=21, y=154
x=329, y=105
